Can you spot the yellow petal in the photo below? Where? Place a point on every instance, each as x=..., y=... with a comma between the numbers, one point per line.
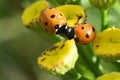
x=74, y=14
x=110, y=76
x=107, y=44
x=60, y=58
x=31, y=13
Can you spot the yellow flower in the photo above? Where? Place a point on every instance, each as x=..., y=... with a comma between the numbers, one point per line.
x=107, y=44
x=102, y=4
x=31, y=14
x=110, y=76
x=60, y=58
x=74, y=14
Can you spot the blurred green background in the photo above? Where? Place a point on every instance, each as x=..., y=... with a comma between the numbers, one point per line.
x=20, y=47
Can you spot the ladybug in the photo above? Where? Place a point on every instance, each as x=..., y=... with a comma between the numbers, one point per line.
x=84, y=33
x=52, y=20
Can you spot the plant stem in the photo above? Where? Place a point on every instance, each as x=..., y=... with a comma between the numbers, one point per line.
x=87, y=58
x=82, y=67
x=72, y=75
x=117, y=65
x=85, y=53
x=104, y=21
x=55, y=38
x=39, y=29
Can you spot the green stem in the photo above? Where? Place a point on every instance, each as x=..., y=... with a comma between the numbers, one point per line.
x=82, y=67
x=104, y=21
x=91, y=53
x=117, y=65
x=72, y=75
x=88, y=59
x=55, y=38
x=39, y=29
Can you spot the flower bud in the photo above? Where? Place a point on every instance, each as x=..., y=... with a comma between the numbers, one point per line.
x=102, y=4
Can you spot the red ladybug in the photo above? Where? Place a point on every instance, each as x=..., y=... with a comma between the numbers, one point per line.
x=51, y=20
x=84, y=33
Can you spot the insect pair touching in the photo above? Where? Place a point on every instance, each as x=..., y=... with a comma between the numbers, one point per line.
x=54, y=22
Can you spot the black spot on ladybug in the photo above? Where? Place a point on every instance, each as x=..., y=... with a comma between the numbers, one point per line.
x=52, y=16
x=87, y=35
x=82, y=28
x=93, y=29
x=57, y=26
x=46, y=23
x=43, y=59
x=76, y=39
